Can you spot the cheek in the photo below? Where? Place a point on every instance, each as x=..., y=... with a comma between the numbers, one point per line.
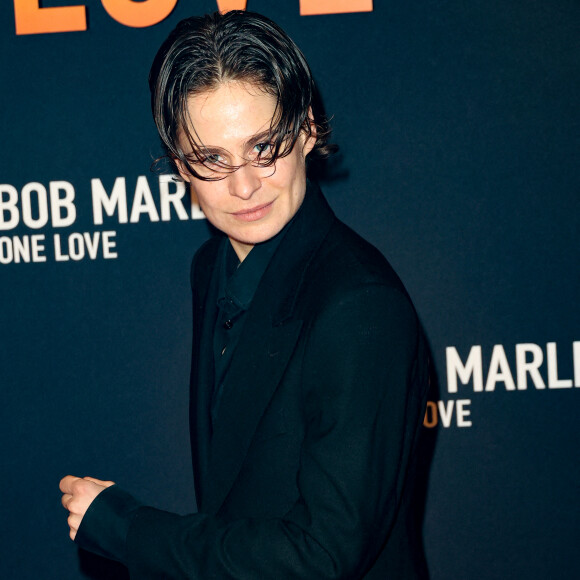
x=207, y=199
x=291, y=172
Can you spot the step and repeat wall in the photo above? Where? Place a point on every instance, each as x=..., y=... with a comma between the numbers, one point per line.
x=459, y=129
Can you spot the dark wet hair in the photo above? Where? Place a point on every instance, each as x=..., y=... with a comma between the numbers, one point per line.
x=203, y=52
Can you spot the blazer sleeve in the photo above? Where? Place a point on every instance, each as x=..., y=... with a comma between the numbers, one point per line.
x=363, y=382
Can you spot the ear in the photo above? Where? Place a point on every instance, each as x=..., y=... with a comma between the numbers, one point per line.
x=310, y=140
x=183, y=172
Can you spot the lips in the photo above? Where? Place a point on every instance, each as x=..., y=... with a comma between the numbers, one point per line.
x=255, y=213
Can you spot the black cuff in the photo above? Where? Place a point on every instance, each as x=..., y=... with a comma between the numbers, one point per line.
x=105, y=525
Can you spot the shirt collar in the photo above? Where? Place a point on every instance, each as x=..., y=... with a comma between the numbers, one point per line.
x=238, y=281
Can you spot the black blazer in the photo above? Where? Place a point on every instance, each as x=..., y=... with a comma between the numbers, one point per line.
x=306, y=472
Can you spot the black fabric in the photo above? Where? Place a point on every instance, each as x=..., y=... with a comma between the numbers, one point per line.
x=305, y=475
x=237, y=285
x=105, y=532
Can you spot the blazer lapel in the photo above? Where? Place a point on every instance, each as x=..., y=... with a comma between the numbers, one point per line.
x=253, y=377
x=202, y=372
x=268, y=338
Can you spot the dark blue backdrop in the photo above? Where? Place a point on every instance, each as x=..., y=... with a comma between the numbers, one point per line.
x=459, y=129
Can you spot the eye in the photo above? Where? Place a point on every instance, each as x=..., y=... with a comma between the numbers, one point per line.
x=208, y=166
x=213, y=159
x=262, y=148
x=207, y=161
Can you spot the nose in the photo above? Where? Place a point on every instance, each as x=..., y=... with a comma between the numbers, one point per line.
x=245, y=181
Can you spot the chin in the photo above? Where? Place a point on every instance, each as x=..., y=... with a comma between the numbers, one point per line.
x=253, y=240
x=262, y=235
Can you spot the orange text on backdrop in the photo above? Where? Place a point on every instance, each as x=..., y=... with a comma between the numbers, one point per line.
x=30, y=18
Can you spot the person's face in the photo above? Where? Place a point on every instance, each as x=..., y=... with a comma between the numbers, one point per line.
x=252, y=204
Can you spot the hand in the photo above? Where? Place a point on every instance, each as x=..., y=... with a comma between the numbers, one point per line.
x=78, y=494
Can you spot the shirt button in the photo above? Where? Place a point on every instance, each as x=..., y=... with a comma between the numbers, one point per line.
x=224, y=350
x=228, y=324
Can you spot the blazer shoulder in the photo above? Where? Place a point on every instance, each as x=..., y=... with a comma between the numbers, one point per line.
x=346, y=261
x=348, y=276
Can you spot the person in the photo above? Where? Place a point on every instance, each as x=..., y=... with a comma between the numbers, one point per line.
x=309, y=368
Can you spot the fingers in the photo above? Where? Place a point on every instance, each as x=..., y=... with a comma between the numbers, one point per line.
x=71, y=485
x=67, y=486
x=100, y=481
x=74, y=492
x=78, y=494
x=73, y=521
x=65, y=499
x=66, y=482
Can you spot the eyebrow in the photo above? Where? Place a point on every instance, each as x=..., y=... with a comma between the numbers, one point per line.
x=262, y=137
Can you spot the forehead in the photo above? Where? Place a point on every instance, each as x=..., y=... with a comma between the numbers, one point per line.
x=230, y=115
